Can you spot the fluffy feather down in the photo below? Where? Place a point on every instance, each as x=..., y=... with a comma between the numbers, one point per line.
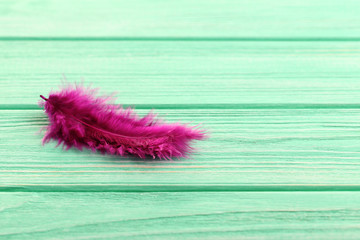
x=80, y=119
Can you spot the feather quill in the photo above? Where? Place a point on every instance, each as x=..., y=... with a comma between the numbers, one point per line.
x=78, y=118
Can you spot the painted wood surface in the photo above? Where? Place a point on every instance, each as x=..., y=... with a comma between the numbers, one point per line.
x=275, y=82
x=229, y=19
x=198, y=215
x=248, y=147
x=156, y=73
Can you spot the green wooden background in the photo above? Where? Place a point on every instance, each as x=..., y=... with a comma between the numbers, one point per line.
x=277, y=84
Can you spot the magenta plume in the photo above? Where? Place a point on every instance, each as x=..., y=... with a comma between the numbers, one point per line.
x=80, y=119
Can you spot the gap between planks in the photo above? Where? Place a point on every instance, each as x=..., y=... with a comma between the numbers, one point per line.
x=178, y=188
x=208, y=106
x=184, y=39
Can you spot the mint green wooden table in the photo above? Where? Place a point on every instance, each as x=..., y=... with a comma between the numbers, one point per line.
x=277, y=83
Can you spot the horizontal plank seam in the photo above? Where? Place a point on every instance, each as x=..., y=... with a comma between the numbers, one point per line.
x=208, y=106
x=175, y=188
x=168, y=38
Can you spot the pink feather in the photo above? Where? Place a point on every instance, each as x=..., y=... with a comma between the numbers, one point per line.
x=80, y=119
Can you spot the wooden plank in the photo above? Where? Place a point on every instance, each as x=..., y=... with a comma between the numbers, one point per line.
x=295, y=215
x=213, y=19
x=185, y=72
x=259, y=148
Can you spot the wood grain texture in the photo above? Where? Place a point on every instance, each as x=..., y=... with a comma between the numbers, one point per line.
x=275, y=82
x=266, y=215
x=248, y=148
x=185, y=72
x=215, y=19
